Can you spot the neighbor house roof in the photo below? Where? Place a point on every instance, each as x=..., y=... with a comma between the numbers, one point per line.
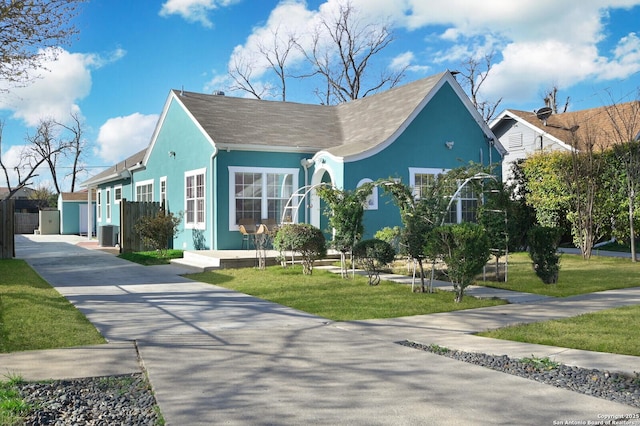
x=122, y=170
x=77, y=195
x=604, y=126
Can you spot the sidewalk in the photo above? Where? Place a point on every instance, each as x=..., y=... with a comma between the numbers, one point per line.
x=217, y=356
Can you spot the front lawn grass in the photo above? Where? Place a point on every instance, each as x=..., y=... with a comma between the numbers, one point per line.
x=328, y=295
x=577, y=276
x=149, y=258
x=613, y=331
x=33, y=315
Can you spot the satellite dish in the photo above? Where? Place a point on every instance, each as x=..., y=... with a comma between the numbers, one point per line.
x=544, y=113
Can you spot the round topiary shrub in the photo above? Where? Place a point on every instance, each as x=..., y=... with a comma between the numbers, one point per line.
x=302, y=238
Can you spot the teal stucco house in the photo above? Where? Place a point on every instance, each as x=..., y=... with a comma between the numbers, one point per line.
x=220, y=159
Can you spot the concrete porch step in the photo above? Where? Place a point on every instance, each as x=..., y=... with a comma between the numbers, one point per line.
x=207, y=260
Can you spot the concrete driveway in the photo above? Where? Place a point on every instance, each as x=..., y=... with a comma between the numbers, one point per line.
x=215, y=356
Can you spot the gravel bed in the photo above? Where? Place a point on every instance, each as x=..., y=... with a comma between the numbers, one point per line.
x=602, y=384
x=113, y=400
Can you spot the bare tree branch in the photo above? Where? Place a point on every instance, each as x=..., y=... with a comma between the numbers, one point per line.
x=31, y=32
x=474, y=75
x=74, y=147
x=345, y=60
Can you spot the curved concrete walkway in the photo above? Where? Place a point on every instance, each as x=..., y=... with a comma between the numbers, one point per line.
x=218, y=356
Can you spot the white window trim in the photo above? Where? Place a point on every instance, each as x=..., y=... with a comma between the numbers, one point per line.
x=115, y=189
x=108, y=204
x=413, y=171
x=412, y=182
x=371, y=203
x=162, y=196
x=98, y=205
x=195, y=225
x=232, y=190
x=144, y=183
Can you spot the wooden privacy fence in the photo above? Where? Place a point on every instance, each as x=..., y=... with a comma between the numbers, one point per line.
x=7, y=217
x=130, y=213
x=27, y=223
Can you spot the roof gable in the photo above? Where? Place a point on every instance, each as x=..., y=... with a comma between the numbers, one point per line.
x=604, y=126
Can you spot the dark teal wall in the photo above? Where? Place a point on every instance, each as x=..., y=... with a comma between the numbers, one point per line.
x=231, y=239
x=421, y=145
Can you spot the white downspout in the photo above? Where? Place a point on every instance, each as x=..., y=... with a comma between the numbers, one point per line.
x=306, y=163
x=89, y=216
x=214, y=199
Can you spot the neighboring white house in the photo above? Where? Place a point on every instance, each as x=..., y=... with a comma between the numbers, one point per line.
x=522, y=133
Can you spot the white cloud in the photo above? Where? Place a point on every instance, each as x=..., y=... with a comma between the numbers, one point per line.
x=121, y=137
x=406, y=61
x=536, y=43
x=194, y=10
x=626, y=59
x=59, y=86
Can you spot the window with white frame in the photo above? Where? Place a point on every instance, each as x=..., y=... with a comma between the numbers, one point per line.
x=117, y=194
x=99, y=205
x=108, y=204
x=259, y=193
x=144, y=190
x=163, y=191
x=195, y=191
x=462, y=209
x=371, y=203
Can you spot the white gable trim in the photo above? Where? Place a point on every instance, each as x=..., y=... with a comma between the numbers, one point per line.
x=509, y=114
x=447, y=77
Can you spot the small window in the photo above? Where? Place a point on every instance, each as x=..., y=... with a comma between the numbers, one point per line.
x=163, y=191
x=144, y=191
x=371, y=203
x=108, y=199
x=99, y=205
x=515, y=141
x=195, y=198
x=117, y=194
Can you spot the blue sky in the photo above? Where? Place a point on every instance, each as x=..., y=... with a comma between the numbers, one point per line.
x=128, y=54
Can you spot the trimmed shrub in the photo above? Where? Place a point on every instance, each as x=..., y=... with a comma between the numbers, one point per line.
x=156, y=232
x=543, y=250
x=390, y=235
x=304, y=239
x=373, y=255
x=464, y=248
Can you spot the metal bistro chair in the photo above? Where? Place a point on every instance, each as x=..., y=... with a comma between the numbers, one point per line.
x=247, y=227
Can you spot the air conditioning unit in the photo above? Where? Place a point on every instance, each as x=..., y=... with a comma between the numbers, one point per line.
x=107, y=236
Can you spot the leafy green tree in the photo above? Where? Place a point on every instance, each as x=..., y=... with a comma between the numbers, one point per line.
x=547, y=191
x=345, y=210
x=419, y=216
x=157, y=231
x=464, y=248
x=543, y=251
x=374, y=254
x=302, y=238
x=625, y=120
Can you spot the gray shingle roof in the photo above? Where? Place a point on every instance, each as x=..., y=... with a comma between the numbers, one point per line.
x=232, y=121
x=343, y=130
x=114, y=172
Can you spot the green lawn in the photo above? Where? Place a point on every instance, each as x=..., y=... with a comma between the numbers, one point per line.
x=614, y=331
x=577, y=276
x=149, y=258
x=33, y=315
x=328, y=295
